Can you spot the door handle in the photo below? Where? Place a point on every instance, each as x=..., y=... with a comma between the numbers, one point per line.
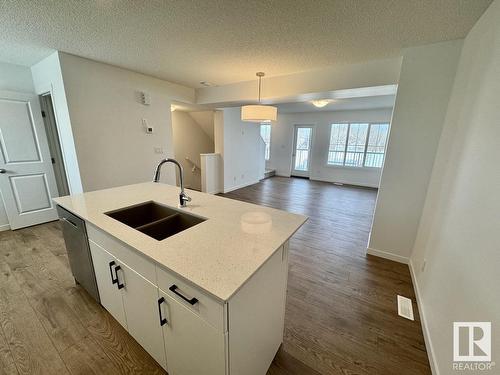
x=66, y=220
x=163, y=321
x=2, y=171
x=113, y=280
x=191, y=301
x=120, y=285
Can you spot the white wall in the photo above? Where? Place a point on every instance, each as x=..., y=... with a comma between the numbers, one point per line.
x=241, y=154
x=458, y=233
x=424, y=89
x=219, y=147
x=106, y=119
x=338, y=77
x=47, y=77
x=190, y=141
x=282, y=145
x=13, y=78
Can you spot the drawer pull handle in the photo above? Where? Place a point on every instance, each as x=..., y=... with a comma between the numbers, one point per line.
x=191, y=301
x=120, y=286
x=163, y=321
x=113, y=279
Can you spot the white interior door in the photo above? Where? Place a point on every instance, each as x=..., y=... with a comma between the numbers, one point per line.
x=302, y=142
x=27, y=180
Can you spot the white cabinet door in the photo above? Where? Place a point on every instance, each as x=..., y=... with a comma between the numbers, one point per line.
x=105, y=272
x=256, y=318
x=140, y=300
x=193, y=346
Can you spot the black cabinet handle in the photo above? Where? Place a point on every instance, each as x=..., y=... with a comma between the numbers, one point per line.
x=163, y=321
x=191, y=301
x=113, y=280
x=120, y=286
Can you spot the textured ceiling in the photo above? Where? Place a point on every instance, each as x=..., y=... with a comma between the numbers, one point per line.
x=348, y=104
x=225, y=41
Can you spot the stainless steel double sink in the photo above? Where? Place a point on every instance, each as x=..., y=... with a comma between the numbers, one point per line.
x=154, y=219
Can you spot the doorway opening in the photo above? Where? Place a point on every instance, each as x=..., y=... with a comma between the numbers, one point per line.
x=49, y=122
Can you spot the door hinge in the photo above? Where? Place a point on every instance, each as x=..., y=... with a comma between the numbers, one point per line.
x=43, y=113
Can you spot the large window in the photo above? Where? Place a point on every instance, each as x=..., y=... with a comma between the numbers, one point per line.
x=265, y=133
x=358, y=144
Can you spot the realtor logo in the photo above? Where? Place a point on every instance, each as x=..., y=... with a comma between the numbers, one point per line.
x=472, y=341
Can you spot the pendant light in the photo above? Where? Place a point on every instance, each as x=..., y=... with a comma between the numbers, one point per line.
x=259, y=112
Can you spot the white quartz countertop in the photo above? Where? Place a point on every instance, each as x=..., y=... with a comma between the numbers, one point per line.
x=218, y=255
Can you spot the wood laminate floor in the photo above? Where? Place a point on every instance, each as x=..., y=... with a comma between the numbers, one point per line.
x=341, y=305
x=341, y=311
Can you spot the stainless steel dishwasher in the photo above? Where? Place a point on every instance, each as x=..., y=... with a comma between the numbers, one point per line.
x=77, y=245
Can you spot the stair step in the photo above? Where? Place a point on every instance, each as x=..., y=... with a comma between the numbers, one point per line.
x=269, y=173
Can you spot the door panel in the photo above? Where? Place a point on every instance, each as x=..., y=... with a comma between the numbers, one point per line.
x=27, y=180
x=193, y=346
x=17, y=123
x=111, y=296
x=301, y=157
x=140, y=300
x=31, y=192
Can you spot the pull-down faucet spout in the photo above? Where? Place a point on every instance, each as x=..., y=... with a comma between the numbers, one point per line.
x=183, y=197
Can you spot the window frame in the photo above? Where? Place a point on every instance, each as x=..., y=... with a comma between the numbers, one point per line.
x=348, y=123
x=270, y=137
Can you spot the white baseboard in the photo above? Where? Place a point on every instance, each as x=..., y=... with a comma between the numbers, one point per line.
x=282, y=174
x=423, y=320
x=241, y=186
x=212, y=192
x=345, y=182
x=4, y=227
x=386, y=255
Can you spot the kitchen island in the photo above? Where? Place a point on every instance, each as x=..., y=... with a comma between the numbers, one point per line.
x=209, y=299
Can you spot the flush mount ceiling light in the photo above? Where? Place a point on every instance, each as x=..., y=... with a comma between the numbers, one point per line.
x=321, y=102
x=259, y=113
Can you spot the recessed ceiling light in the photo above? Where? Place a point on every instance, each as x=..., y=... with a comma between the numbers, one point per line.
x=320, y=103
x=206, y=84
